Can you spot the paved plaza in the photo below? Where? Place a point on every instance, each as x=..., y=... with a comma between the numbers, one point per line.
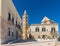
x=34, y=43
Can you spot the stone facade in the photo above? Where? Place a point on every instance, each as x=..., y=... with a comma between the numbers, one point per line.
x=11, y=25
x=48, y=29
x=9, y=22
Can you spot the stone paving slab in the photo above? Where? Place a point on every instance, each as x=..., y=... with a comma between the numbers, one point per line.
x=32, y=44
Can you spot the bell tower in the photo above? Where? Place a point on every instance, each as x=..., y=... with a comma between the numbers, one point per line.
x=25, y=25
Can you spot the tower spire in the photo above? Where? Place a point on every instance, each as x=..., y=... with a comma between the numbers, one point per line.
x=25, y=12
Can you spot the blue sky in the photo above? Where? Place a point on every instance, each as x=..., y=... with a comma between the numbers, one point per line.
x=37, y=9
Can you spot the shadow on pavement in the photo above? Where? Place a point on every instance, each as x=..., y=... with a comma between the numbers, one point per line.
x=22, y=41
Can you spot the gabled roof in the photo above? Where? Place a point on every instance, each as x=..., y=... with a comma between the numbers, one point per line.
x=45, y=19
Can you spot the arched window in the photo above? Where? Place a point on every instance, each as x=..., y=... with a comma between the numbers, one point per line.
x=9, y=16
x=16, y=22
x=53, y=29
x=36, y=29
x=43, y=29
x=12, y=20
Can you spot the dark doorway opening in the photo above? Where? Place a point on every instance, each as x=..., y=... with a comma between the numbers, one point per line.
x=43, y=36
x=30, y=36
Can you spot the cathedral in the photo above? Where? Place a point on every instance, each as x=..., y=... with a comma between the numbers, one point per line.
x=12, y=27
